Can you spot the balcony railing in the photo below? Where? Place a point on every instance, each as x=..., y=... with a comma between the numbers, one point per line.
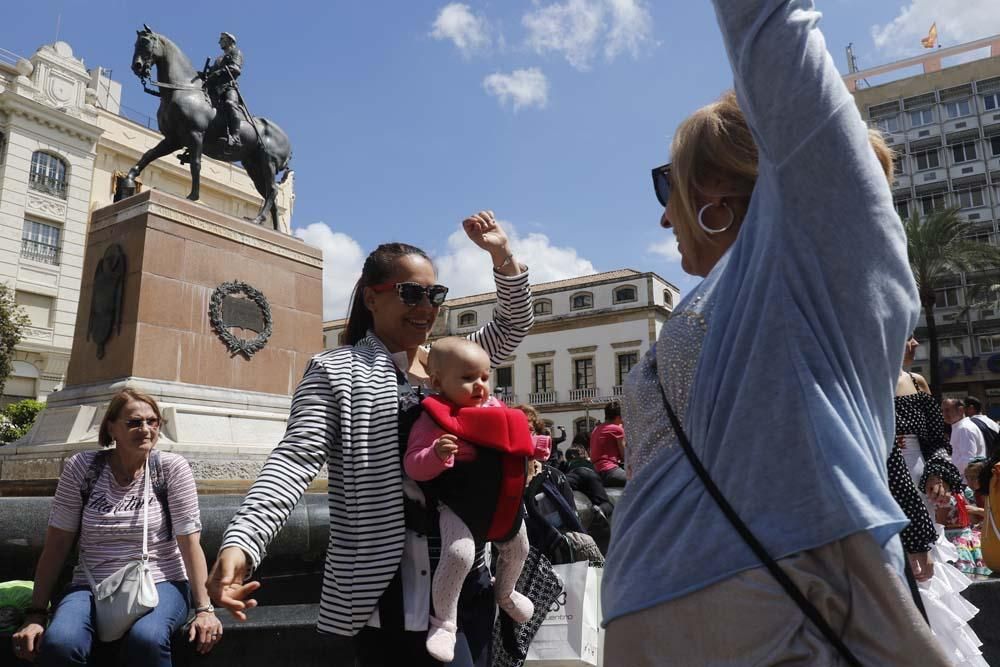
x=582, y=394
x=48, y=184
x=542, y=397
x=39, y=252
x=508, y=398
x=617, y=390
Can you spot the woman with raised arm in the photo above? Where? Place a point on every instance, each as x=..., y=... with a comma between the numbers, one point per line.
x=353, y=411
x=771, y=384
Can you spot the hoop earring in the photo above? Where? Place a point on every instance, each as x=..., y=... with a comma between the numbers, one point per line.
x=709, y=230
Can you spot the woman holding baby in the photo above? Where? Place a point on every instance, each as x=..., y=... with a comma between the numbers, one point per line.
x=353, y=411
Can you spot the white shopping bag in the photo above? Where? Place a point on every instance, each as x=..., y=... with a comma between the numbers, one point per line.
x=571, y=635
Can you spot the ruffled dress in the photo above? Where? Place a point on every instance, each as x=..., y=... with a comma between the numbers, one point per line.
x=919, y=421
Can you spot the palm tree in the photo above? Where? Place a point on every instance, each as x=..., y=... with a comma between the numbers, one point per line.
x=939, y=247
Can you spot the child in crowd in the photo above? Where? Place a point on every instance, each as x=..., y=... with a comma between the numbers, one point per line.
x=469, y=452
x=961, y=518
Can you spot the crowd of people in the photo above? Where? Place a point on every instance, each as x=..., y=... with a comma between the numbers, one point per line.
x=789, y=491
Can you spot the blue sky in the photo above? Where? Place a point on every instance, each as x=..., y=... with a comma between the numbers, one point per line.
x=407, y=116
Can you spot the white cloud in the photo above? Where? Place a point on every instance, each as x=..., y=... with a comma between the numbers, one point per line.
x=958, y=21
x=577, y=29
x=523, y=88
x=667, y=249
x=631, y=27
x=342, y=261
x=468, y=32
x=466, y=270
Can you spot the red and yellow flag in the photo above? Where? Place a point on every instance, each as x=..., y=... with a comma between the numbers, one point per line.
x=931, y=39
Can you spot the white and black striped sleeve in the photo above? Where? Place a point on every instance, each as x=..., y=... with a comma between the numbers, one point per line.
x=313, y=429
x=513, y=316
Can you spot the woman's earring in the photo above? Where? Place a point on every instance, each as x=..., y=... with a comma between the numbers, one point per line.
x=709, y=230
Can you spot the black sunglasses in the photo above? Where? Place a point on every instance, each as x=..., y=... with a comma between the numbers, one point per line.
x=661, y=183
x=413, y=293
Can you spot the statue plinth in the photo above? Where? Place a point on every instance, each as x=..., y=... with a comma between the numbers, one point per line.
x=215, y=317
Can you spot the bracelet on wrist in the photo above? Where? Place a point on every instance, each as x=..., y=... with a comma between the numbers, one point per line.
x=208, y=608
x=505, y=262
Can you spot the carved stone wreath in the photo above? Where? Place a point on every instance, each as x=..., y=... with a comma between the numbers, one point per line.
x=245, y=346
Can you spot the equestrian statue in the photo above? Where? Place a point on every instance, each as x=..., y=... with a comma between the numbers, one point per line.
x=204, y=113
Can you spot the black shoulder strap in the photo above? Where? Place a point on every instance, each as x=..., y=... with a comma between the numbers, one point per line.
x=751, y=540
x=913, y=379
x=91, y=476
x=158, y=480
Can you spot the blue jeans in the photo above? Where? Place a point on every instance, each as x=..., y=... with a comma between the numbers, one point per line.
x=70, y=636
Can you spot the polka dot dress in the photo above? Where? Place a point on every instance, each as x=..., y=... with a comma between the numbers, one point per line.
x=919, y=415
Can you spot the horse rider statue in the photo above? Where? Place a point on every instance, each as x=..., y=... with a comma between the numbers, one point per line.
x=221, y=81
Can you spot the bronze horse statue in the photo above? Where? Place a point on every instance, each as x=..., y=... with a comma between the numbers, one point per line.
x=187, y=119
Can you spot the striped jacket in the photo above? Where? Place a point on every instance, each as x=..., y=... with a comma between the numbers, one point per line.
x=344, y=413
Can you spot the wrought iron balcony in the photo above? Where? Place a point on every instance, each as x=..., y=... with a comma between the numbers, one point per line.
x=48, y=184
x=39, y=252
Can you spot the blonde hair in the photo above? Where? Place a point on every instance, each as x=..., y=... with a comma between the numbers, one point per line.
x=534, y=419
x=118, y=401
x=713, y=142
x=882, y=152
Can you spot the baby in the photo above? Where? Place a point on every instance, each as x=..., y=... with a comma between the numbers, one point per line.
x=469, y=451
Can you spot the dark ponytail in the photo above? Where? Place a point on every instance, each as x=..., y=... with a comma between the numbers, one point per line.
x=379, y=266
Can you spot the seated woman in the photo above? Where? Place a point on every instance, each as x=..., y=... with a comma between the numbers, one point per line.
x=100, y=497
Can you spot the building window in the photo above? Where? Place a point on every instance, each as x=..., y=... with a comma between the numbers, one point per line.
x=583, y=373
x=581, y=301
x=995, y=144
x=991, y=101
x=958, y=108
x=543, y=307
x=48, y=174
x=467, y=319
x=985, y=238
x=625, y=294
x=931, y=203
x=37, y=307
x=971, y=198
x=504, y=384
x=40, y=242
x=888, y=125
x=989, y=344
x=964, y=151
x=952, y=347
x=927, y=159
x=898, y=165
x=626, y=361
x=542, y=377
x=668, y=298
x=947, y=298
x=921, y=117
x=902, y=208
x=584, y=425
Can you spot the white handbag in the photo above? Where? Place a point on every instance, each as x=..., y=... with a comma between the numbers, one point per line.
x=129, y=593
x=571, y=634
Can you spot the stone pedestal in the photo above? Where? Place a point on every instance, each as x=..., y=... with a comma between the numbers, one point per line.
x=225, y=410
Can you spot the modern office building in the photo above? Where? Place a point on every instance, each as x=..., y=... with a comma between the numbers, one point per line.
x=944, y=124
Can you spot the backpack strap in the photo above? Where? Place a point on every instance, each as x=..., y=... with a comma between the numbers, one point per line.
x=91, y=476
x=158, y=480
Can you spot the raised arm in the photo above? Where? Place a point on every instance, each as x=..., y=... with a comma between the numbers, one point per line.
x=513, y=314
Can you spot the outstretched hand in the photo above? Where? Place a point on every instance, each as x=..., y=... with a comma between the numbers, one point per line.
x=225, y=583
